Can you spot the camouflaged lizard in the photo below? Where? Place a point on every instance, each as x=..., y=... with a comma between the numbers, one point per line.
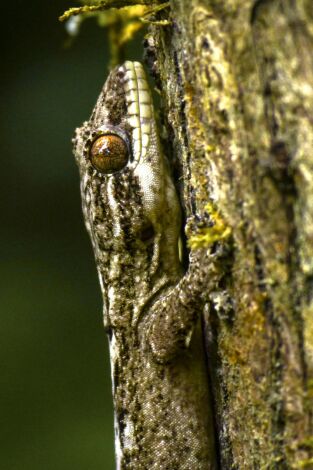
x=151, y=308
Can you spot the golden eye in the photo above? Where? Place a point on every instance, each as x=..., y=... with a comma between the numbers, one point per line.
x=109, y=153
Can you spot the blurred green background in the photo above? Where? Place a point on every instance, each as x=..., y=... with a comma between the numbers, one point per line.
x=55, y=386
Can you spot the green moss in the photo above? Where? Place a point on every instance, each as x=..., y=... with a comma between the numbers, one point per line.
x=100, y=6
x=142, y=9
x=122, y=18
x=122, y=23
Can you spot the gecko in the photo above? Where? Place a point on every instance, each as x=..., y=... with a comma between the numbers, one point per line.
x=151, y=307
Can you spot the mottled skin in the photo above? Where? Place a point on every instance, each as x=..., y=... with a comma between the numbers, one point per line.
x=151, y=311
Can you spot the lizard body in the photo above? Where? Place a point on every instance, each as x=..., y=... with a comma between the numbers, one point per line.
x=151, y=310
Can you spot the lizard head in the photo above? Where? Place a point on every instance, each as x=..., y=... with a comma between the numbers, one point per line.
x=130, y=205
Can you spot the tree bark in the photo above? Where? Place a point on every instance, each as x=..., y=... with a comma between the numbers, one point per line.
x=236, y=81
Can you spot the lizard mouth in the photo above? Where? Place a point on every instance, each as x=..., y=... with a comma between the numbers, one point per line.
x=139, y=107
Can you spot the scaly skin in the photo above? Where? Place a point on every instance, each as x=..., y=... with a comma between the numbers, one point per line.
x=151, y=311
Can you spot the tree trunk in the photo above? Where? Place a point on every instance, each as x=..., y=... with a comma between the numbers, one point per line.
x=236, y=80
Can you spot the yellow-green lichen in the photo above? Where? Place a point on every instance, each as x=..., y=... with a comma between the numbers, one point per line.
x=206, y=236
x=306, y=463
x=306, y=443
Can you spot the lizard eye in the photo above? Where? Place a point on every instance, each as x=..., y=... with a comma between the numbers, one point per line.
x=108, y=153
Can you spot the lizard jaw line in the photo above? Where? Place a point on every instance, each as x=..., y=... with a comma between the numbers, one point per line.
x=139, y=108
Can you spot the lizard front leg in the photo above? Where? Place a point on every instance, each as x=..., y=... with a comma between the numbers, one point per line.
x=175, y=314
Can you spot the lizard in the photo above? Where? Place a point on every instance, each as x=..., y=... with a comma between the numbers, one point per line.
x=162, y=414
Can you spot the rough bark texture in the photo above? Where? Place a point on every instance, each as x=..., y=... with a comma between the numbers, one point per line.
x=237, y=84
